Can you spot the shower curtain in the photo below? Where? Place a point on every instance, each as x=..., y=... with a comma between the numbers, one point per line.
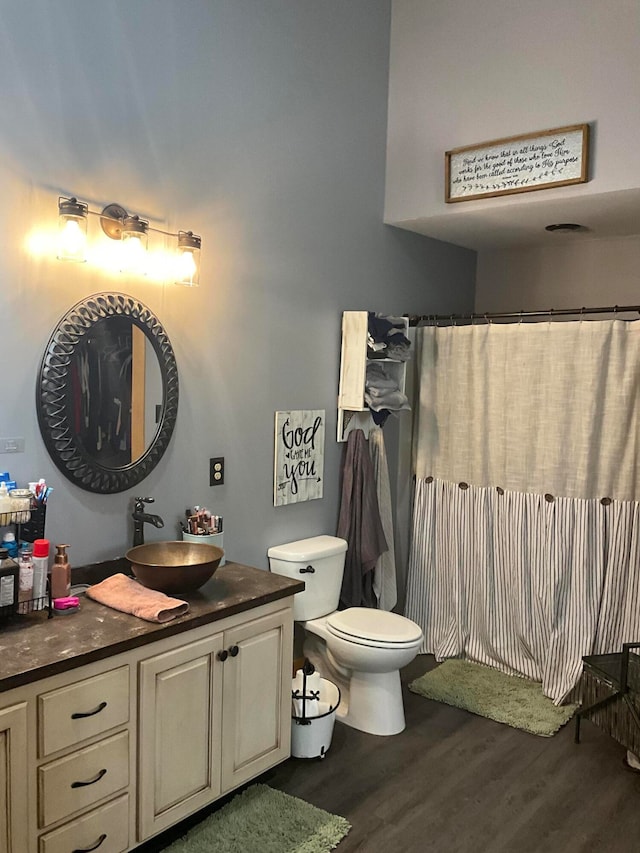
x=525, y=548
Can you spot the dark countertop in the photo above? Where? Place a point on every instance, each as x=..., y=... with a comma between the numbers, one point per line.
x=34, y=647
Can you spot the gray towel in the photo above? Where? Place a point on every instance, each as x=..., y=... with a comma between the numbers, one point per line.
x=384, y=574
x=359, y=523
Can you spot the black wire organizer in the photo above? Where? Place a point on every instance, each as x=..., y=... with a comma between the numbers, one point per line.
x=29, y=526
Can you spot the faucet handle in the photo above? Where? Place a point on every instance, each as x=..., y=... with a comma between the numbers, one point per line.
x=140, y=502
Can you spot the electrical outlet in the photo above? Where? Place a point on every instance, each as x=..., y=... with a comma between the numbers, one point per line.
x=216, y=471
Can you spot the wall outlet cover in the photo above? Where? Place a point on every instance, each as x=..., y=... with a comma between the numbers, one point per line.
x=216, y=471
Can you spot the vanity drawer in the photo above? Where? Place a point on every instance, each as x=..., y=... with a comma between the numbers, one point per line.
x=90, y=707
x=105, y=829
x=75, y=782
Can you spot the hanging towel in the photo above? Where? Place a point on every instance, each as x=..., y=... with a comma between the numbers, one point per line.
x=359, y=523
x=128, y=596
x=384, y=574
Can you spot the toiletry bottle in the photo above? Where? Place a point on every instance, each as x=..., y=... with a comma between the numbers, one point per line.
x=9, y=582
x=40, y=560
x=26, y=574
x=60, y=574
x=9, y=542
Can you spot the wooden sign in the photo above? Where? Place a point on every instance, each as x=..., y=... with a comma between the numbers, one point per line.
x=299, y=457
x=549, y=158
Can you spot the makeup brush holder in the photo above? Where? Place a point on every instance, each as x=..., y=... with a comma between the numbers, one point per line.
x=206, y=539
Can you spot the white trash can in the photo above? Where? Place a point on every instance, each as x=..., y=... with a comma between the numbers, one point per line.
x=311, y=736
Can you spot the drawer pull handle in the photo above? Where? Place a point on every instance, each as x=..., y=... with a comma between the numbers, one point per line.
x=223, y=655
x=81, y=714
x=97, y=778
x=308, y=571
x=233, y=651
x=95, y=846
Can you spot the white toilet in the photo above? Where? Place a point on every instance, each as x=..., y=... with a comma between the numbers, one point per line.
x=360, y=648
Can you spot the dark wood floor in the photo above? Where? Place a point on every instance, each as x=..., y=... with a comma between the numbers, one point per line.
x=456, y=783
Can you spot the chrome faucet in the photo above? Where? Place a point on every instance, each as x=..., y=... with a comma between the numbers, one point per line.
x=140, y=518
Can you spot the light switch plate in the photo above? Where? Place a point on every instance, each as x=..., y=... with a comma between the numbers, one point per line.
x=11, y=445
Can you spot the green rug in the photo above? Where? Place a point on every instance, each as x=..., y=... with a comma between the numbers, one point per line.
x=508, y=699
x=263, y=820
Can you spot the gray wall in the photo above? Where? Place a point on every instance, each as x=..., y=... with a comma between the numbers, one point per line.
x=260, y=125
x=575, y=272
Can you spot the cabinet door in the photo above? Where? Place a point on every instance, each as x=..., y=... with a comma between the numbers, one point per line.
x=180, y=733
x=13, y=779
x=257, y=697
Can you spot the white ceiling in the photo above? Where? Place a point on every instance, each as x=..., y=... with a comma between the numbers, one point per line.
x=613, y=214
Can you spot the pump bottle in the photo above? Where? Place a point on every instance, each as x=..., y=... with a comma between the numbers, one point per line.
x=60, y=574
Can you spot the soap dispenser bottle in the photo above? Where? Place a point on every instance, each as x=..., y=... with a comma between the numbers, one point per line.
x=60, y=574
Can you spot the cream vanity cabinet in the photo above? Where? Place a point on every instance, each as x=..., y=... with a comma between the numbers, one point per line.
x=214, y=713
x=13, y=778
x=105, y=755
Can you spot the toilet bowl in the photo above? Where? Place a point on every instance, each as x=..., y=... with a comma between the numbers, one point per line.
x=361, y=649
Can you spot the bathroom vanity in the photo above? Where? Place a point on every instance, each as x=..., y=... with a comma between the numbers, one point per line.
x=113, y=729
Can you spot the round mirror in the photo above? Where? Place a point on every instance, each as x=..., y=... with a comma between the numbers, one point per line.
x=107, y=393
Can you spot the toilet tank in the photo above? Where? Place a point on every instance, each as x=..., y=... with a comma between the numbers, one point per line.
x=319, y=562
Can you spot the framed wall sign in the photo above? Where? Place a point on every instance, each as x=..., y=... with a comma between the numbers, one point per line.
x=534, y=161
x=299, y=457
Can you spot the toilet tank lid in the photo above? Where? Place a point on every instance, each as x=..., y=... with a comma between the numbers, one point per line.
x=308, y=549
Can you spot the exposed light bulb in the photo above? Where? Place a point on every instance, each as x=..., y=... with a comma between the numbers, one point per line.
x=133, y=254
x=72, y=241
x=187, y=268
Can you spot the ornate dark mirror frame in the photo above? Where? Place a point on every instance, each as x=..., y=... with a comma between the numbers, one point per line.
x=53, y=388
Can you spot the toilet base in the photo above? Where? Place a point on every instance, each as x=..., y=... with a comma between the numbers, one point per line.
x=375, y=703
x=370, y=701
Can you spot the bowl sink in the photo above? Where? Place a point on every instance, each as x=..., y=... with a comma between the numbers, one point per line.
x=174, y=566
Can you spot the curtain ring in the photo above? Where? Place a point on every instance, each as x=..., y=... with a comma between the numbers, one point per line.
x=487, y=320
x=520, y=320
x=582, y=313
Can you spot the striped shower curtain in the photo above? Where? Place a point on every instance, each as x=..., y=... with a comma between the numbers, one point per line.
x=525, y=550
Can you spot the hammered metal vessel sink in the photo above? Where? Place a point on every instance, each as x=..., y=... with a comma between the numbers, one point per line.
x=174, y=566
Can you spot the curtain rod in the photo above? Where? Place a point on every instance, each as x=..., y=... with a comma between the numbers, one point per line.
x=416, y=319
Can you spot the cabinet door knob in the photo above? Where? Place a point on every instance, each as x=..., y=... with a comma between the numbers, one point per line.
x=95, y=846
x=308, y=571
x=81, y=714
x=223, y=655
x=93, y=781
x=233, y=651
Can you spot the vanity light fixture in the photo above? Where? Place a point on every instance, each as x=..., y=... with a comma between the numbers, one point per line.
x=72, y=230
x=131, y=230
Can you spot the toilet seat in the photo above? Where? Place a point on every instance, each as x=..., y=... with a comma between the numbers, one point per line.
x=375, y=628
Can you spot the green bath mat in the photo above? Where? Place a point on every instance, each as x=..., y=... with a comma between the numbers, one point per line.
x=508, y=699
x=263, y=820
